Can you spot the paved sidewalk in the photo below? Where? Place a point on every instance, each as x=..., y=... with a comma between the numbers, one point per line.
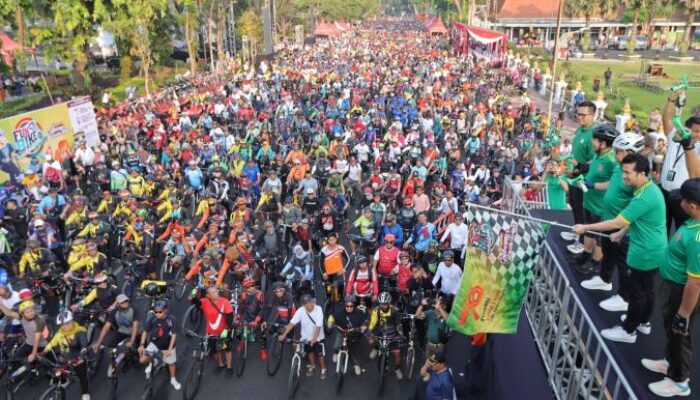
x=541, y=103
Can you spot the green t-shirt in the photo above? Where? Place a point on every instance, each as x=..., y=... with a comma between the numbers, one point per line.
x=582, y=145
x=683, y=254
x=555, y=193
x=646, y=216
x=600, y=170
x=433, y=324
x=618, y=195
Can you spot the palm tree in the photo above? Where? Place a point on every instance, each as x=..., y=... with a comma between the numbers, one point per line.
x=607, y=8
x=692, y=8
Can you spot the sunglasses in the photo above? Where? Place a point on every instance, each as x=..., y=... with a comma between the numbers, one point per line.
x=159, y=312
x=349, y=306
x=389, y=242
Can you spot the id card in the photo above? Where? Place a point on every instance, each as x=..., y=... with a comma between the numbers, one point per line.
x=670, y=175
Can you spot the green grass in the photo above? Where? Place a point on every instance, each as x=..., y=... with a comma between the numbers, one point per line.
x=158, y=77
x=642, y=101
x=15, y=107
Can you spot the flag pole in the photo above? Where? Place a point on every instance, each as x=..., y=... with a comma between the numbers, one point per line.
x=542, y=221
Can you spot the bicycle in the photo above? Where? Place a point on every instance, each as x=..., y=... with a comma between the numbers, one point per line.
x=383, y=344
x=93, y=319
x=195, y=374
x=275, y=348
x=133, y=274
x=156, y=365
x=295, y=370
x=60, y=376
x=246, y=334
x=341, y=365
x=410, y=350
x=16, y=378
x=268, y=268
x=119, y=361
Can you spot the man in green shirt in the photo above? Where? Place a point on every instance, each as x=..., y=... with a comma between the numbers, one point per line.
x=680, y=290
x=596, y=181
x=556, y=186
x=645, y=219
x=582, y=153
x=617, y=197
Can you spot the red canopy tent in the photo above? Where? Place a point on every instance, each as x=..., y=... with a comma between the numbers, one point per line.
x=7, y=47
x=463, y=36
x=435, y=26
x=326, y=29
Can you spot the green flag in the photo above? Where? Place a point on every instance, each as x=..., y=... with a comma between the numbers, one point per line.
x=502, y=252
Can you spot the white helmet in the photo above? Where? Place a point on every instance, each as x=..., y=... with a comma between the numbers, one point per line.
x=64, y=317
x=629, y=141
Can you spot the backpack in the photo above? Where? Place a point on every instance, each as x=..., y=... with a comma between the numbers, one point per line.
x=53, y=175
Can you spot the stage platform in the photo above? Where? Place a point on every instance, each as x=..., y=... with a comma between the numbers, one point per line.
x=627, y=356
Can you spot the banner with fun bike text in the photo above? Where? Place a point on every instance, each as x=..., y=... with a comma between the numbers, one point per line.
x=502, y=252
x=26, y=139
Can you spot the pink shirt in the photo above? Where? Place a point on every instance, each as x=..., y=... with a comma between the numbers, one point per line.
x=421, y=203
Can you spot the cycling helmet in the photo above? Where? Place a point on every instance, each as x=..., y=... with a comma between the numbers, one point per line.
x=160, y=304
x=151, y=290
x=33, y=244
x=142, y=213
x=101, y=277
x=606, y=133
x=448, y=254
x=278, y=285
x=389, y=238
x=629, y=141
x=433, y=243
x=64, y=317
x=404, y=254
x=384, y=298
x=360, y=259
x=350, y=299
x=248, y=282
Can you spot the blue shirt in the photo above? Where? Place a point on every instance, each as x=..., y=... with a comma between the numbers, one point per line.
x=395, y=230
x=251, y=172
x=440, y=386
x=422, y=235
x=195, y=178
x=48, y=203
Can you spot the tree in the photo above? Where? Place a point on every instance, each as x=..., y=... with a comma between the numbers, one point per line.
x=249, y=24
x=140, y=22
x=692, y=8
x=585, y=8
x=188, y=17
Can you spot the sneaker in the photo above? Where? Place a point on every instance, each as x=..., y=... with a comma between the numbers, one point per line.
x=148, y=369
x=568, y=236
x=335, y=357
x=644, y=329
x=373, y=354
x=669, y=388
x=614, y=304
x=323, y=373
x=110, y=371
x=618, y=334
x=399, y=374
x=358, y=370
x=85, y=397
x=588, y=267
x=575, y=248
x=174, y=383
x=263, y=354
x=310, y=369
x=596, y=283
x=658, y=366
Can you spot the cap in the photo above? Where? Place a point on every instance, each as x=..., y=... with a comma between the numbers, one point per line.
x=39, y=222
x=121, y=298
x=25, y=294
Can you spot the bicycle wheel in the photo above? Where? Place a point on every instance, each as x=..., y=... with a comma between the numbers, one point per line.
x=192, y=320
x=240, y=358
x=192, y=380
x=54, y=393
x=293, y=382
x=382, y=373
x=410, y=360
x=165, y=270
x=274, y=358
x=180, y=291
x=94, y=361
x=113, y=382
x=341, y=370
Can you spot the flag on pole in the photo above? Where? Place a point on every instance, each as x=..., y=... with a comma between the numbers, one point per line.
x=502, y=252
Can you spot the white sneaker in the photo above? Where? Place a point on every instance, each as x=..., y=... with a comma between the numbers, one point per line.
x=174, y=383
x=641, y=328
x=335, y=357
x=669, y=388
x=358, y=370
x=148, y=369
x=399, y=374
x=373, y=354
x=85, y=397
x=596, y=283
x=575, y=247
x=618, y=334
x=568, y=236
x=614, y=304
x=658, y=366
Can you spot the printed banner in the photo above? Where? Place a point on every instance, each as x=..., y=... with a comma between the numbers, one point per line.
x=502, y=252
x=26, y=139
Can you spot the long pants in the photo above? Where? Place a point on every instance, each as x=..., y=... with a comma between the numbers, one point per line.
x=576, y=202
x=679, y=348
x=641, y=298
x=615, y=257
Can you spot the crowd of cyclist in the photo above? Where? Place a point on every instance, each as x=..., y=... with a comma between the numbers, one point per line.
x=237, y=189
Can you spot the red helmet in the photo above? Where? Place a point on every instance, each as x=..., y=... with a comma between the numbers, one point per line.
x=248, y=282
x=407, y=201
x=389, y=238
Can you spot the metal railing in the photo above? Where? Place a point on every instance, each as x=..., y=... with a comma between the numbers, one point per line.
x=578, y=362
x=533, y=194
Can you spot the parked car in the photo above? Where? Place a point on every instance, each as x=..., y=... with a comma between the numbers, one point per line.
x=620, y=42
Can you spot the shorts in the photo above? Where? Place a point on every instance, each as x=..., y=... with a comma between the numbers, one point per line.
x=317, y=348
x=169, y=360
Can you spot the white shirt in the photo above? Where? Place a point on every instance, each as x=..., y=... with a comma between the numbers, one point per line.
x=355, y=172
x=10, y=303
x=458, y=235
x=675, y=161
x=310, y=321
x=451, y=278
x=85, y=157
